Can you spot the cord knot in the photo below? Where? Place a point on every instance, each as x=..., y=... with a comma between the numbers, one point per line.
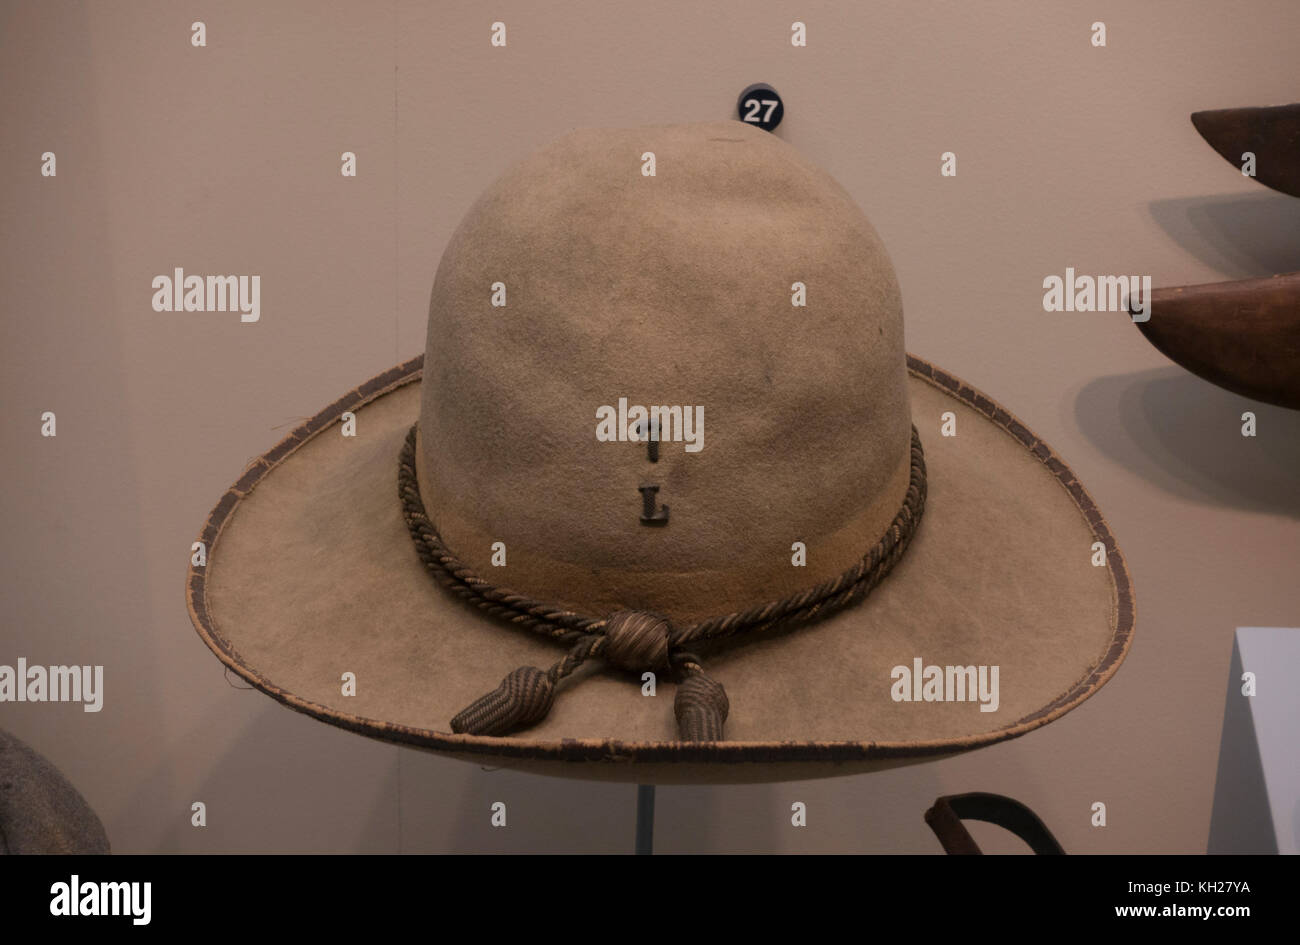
x=637, y=640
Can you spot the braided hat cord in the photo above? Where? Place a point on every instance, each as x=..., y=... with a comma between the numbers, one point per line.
x=637, y=640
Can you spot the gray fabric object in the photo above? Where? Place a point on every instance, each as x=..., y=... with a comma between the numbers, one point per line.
x=40, y=811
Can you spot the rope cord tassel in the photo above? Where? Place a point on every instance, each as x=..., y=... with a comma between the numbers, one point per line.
x=523, y=698
x=701, y=704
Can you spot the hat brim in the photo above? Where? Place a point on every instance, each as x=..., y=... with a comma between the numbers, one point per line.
x=311, y=574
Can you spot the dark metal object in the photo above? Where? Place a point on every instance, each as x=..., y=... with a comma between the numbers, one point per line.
x=645, y=819
x=1272, y=134
x=648, y=514
x=1243, y=336
x=946, y=816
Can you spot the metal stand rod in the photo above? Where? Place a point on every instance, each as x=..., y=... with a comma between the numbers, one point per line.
x=645, y=819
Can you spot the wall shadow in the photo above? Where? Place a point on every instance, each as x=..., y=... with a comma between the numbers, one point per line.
x=1244, y=237
x=1183, y=435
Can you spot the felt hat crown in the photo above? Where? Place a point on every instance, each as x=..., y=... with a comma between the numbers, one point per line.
x=577, y=283
x=666, y=420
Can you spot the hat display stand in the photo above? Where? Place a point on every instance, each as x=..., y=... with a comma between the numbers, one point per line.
x=944, y=817
x=645, y=819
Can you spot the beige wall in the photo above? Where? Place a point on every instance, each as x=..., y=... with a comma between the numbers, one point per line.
x=225, y=159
